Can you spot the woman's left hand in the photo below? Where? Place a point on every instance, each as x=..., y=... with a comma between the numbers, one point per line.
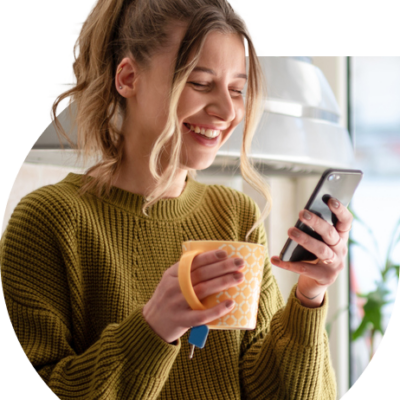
x=315, y=278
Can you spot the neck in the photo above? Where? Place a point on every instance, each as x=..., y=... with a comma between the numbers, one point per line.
x=134, y=175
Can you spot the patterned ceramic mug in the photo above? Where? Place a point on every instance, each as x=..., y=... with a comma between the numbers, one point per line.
x=245, y=295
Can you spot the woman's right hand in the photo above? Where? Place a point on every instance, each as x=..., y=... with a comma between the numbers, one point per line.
x=169, y=314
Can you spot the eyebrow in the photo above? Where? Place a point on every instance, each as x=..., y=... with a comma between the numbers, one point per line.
x=212, y=72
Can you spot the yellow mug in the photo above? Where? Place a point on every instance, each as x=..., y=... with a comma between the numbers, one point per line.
x=246, y=295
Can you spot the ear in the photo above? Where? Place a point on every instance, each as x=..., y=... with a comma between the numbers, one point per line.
x=125, y=77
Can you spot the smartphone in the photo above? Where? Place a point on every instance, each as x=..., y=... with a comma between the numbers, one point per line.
x=338, y=183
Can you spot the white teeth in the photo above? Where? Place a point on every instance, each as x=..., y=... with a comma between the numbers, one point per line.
x=210, y=133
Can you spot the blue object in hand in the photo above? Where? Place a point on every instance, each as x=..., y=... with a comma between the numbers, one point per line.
x=197, y=338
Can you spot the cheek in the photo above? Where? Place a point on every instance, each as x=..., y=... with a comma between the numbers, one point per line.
x=152, y=100
x=240, y=112
x=189, y=103
x=239, y=115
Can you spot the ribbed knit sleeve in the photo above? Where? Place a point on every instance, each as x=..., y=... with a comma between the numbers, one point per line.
x=287, y=355
x=43, y=293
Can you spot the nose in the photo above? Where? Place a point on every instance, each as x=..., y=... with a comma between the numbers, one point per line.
x=221, y=105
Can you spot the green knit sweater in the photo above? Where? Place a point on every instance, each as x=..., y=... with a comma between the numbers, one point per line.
x=77, y=271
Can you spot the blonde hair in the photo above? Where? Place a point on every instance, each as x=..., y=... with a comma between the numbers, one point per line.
x=117, y=28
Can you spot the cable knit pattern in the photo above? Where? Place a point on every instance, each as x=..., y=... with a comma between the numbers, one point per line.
x=77, y=271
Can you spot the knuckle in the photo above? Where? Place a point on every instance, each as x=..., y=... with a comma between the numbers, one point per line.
x=305, y=239
x=331, y=232
x=326, y=253
x=195, y=277
x=200, y=290
x=195, y=263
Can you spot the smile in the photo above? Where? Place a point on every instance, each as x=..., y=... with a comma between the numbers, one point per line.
x=209, y=133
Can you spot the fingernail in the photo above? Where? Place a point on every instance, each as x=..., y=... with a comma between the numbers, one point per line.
x=239, y=261
x=221, y=254
x=295, y=233
x=238, y=276
x=335, y=203
x=276, y=260
x=229, y=304
x=306, y=215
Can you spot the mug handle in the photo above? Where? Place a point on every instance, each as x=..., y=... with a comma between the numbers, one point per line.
x=185, y=281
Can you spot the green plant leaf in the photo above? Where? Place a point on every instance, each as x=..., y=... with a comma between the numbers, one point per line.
x=374, y=315
x=397, y=269
x=359, y=332
x=378, y=298
x=373, y=307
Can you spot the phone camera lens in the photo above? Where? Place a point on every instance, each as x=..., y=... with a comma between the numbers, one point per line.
x=332, y=177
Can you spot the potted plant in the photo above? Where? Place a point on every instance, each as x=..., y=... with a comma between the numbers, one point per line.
x=376, y=299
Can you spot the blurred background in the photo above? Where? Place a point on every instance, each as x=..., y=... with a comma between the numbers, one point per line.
x=374, y=125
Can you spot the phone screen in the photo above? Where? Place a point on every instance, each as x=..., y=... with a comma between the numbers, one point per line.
x=340, y=184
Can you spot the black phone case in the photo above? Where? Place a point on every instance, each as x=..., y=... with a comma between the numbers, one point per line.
x=341, y=188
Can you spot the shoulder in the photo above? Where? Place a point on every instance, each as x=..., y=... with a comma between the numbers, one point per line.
x=52, y=205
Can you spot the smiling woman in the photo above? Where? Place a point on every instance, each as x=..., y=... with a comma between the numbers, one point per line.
x=90, y=264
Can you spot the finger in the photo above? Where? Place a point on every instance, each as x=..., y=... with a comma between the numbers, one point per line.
x=203, y=317
x=215, y=270
x=344, y=216
x=206, y=288
x=328, y=232
x=320, y=249
x=200, y=260
x=322, y=274
x=209, y=257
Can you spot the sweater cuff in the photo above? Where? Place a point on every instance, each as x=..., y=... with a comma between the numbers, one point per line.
x=143, y=349
x=305, y=325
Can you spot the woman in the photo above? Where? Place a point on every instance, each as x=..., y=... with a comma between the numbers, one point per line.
x=89, y=265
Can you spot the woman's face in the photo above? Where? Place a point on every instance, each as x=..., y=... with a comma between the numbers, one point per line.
x=211, y=103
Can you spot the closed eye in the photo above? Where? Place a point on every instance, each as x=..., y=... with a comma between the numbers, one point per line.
x=202, y=86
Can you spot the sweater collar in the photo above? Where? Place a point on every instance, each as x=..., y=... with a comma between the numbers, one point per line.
x=165, y=209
